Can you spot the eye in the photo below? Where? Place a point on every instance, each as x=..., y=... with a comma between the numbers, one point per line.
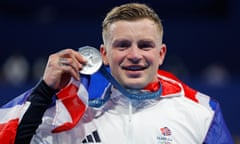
x=146, y=45
x=122, y=44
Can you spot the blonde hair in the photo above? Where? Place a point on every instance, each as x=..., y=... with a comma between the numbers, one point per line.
x=130, y=12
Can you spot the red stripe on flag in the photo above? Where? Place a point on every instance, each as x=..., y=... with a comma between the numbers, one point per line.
x=189, y=92
x=74, y=105
x=8, y=131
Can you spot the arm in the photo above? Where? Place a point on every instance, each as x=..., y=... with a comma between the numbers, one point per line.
x=40, y=99
x=60, y=68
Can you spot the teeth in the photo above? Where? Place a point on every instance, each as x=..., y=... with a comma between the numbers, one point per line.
x=134, y=68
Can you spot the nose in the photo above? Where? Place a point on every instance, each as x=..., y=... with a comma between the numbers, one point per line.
x=134, y=54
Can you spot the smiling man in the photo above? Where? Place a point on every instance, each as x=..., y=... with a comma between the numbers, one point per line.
x=134, y=51
x=159, y=108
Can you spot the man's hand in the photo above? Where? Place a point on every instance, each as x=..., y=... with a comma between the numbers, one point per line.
x=61, y=67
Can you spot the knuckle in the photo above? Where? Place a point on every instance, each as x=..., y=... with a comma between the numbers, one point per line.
x=52, y=56
x=68, y=51
x=64, y=52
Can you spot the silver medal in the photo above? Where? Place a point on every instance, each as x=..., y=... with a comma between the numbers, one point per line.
x=93, y=57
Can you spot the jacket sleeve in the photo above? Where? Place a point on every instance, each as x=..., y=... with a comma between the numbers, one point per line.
x=40, y=99
x=218, y=132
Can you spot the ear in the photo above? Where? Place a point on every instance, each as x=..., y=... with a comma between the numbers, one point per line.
x=162, y=54
x=103, y=52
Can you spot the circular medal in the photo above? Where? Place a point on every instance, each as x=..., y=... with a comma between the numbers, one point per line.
x=93, y=57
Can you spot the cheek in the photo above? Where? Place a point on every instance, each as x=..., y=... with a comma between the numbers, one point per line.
x=115, y=58
x=154, y=58
x=110, y=58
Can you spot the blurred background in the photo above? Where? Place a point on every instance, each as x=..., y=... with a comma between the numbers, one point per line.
x=202, y=37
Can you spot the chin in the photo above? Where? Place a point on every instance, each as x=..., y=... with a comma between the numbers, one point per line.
x=135, y=85
x=133, y=82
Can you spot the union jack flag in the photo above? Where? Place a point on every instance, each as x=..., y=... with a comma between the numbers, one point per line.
x=72, y=105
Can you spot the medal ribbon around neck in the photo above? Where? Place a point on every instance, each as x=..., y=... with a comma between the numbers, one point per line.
x=130, y=93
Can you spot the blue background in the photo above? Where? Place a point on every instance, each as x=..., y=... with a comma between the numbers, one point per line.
x=198, y=34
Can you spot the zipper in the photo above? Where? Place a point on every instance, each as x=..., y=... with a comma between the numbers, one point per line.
x=130, y=139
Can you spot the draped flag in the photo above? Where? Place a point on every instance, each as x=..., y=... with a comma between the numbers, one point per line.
x=72, y=102
x=10, y=115
x=70, y=105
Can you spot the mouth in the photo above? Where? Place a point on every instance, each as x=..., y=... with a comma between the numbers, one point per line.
x=135, y=67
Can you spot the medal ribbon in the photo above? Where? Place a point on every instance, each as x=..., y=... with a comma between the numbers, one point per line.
x=131, y=94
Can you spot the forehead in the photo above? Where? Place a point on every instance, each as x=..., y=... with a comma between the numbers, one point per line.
x=142, y=27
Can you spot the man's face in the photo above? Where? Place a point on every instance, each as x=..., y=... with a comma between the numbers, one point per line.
x=134, y=52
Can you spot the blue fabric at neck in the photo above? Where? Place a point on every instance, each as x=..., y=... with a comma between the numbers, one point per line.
x=131, y=94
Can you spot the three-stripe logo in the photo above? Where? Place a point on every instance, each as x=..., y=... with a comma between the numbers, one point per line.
x=92, y=138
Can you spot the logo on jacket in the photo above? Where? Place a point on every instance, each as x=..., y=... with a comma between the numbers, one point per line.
x=165, y=136
x=165, y=131
x=92, y=138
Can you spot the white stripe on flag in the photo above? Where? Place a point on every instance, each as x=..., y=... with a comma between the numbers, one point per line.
x=71, y=105
x=15, y=112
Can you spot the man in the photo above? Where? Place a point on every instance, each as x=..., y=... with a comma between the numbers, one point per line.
x=133, y=49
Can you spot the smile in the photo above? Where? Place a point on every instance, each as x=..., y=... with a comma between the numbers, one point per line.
x=135, y=67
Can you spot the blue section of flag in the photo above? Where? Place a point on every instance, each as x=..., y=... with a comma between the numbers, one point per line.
x=97, y=85
x=213, y=104
x=218, y=132
x=17, y=100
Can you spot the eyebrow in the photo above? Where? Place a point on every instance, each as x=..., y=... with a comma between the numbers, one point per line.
x=147, y=41
x=120, y=41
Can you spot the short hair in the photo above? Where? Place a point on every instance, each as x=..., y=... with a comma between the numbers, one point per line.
x=130, y=12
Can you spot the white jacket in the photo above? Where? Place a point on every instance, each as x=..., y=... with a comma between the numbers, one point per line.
x=180, y=115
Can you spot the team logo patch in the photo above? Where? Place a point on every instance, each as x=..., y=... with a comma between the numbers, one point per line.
x=165, y=136
x=165, y=131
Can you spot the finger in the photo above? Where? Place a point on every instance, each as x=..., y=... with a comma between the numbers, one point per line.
x=70, y=62
x=65, y=68
x=76, y=57
x=79, y=57
x=68, y=65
